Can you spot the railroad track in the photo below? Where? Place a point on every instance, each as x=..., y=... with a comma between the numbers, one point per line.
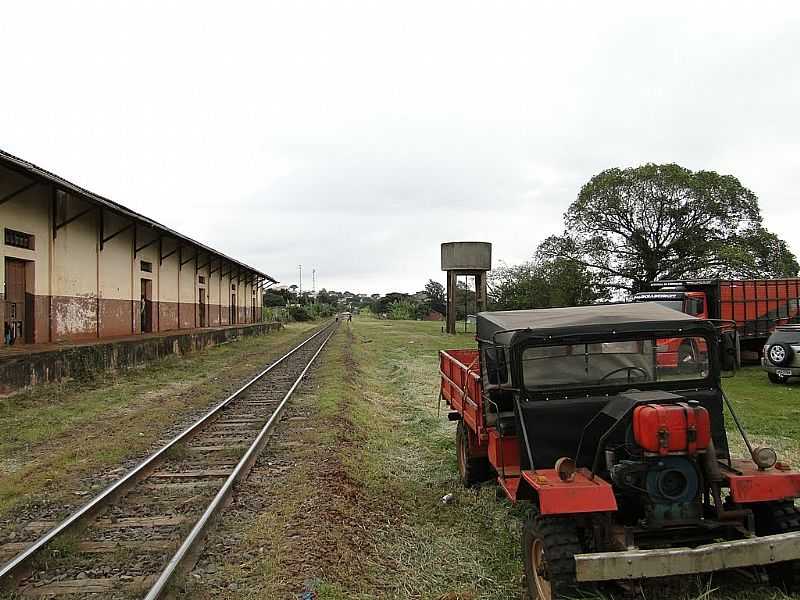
x=132, y=539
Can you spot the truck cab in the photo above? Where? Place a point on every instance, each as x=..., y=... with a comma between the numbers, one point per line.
x=675, y=353
x=624, y=461
x=693, y=303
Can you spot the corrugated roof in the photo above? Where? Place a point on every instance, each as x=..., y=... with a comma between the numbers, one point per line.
x=17, y=164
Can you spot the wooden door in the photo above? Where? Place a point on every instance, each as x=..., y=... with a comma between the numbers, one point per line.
x=202, y=306
x=146, y=306
x=233, y=309
x=15, y=317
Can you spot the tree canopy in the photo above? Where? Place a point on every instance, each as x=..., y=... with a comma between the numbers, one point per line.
x=544, y=283
x=637, y=225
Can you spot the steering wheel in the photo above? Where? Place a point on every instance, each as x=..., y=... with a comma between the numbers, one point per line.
x=642, y=372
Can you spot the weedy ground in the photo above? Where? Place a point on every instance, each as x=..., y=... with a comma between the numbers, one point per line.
x=375, y=424
x=57, y=441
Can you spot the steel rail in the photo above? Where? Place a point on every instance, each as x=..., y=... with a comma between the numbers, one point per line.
x=94, y=505
x=195, y=536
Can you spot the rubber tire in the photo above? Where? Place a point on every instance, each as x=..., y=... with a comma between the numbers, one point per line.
x=472, y=471
x=780, y=517
x=788, y=355
x=561, y=543
x=777, y=379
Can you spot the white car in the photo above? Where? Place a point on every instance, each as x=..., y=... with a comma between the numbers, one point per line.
x=781, y=358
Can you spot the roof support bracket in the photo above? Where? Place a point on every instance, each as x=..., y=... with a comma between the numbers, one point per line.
x=17, y=192
x=183, y=262
x=168, y=254
x=75, y=217
x=150, y=243
x=105, y=239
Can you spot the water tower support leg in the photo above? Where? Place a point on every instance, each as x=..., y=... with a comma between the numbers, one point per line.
x=451, y=301
x=480, y=291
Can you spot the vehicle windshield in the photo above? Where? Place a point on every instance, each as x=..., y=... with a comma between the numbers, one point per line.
x=615, y=363
x=674, y=304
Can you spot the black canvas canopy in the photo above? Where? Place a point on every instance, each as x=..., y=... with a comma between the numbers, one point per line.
x=622, y=318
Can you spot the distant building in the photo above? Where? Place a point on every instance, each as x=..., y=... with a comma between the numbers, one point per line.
x=76, y=266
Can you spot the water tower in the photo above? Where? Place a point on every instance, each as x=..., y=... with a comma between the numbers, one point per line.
x=472, y=259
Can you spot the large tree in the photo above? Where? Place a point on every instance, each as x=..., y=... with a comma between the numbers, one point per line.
x=633, y=226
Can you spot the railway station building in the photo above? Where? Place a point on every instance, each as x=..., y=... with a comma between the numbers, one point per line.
x=75, y=266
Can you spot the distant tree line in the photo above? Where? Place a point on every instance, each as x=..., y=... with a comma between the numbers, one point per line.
x=428, y=303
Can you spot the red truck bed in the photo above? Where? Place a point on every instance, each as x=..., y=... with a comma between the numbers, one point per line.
x=758, y=305
x=461, y=386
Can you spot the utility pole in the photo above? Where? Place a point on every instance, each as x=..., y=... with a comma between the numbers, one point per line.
x=301, y=279
x=314, y=284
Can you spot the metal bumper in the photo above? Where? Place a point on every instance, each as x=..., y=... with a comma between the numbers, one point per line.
x=770, y=368
x=640, y=564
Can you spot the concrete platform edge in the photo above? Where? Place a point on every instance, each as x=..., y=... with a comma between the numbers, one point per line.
x=20, y=372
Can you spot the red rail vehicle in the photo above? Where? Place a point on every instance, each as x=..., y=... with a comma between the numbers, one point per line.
x=626, y=464
x=757, y=306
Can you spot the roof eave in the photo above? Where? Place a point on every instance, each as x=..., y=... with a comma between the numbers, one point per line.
x=17, y=164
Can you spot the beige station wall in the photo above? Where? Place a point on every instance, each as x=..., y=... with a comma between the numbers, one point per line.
x=213, y=295
x=28, y=212
x=168, y=276
x=78, y=291
x=75, y=274
x=117, y=302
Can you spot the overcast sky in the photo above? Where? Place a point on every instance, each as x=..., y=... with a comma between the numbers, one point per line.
x=354, y=137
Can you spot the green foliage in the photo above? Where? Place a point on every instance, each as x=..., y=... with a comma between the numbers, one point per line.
x=465, y=301
x=320, y=310
x=323, y=297
x=632, y=226
x=273, y=299
x=276, y=313
x=381, y=305
x=403, y=310
x=543, y=283
x=299, y=313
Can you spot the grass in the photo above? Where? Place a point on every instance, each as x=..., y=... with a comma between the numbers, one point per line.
x=52, y=436
x=770, y=413
x=460, y=550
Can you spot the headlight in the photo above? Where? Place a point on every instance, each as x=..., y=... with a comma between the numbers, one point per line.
x=765, y=458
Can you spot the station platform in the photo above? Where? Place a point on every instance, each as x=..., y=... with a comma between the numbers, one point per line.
x=25, y=365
